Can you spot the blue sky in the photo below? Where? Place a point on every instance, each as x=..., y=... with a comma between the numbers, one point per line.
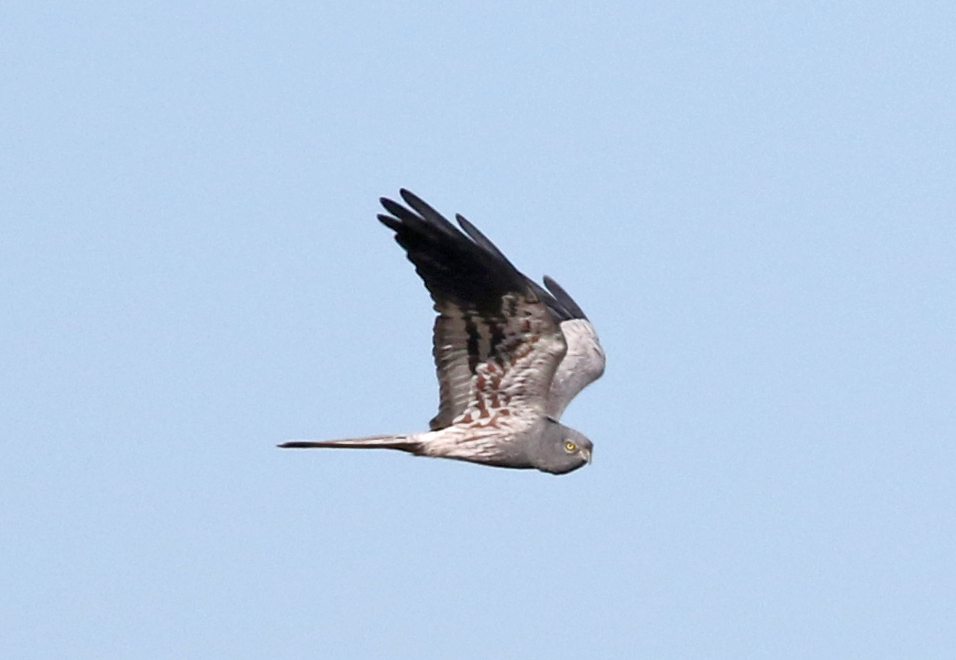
x=754, y=203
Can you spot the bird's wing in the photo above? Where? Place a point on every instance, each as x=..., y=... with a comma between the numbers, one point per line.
x=584, y=361
x=496, y=344
x=557, y=309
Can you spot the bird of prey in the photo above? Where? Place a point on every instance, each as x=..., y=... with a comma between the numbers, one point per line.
x=510, y=354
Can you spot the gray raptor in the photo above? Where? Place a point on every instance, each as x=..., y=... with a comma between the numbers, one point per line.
x=510, y=354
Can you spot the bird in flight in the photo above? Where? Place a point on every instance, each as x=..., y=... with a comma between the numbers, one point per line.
x=510, y=354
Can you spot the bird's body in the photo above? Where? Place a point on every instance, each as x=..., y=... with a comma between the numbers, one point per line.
x=510, y=355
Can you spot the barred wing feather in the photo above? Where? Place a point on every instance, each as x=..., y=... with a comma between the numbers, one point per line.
x=496, y=344
x=584, y=361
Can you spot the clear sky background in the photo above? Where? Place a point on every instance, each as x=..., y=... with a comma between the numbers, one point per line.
x=754, y=203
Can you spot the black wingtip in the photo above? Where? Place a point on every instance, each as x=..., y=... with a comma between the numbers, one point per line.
x=463, y=268
x=410, y=197
x=392, y=206
x=564, y=298
x=389, y=221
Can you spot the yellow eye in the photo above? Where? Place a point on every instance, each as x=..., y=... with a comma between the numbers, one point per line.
x=570, y=446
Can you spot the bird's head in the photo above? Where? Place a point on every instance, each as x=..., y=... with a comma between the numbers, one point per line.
x=561, y=449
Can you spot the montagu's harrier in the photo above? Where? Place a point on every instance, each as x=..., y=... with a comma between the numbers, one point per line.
x=510, y=354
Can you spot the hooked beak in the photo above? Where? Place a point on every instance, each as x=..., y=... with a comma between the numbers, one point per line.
x=587, y=454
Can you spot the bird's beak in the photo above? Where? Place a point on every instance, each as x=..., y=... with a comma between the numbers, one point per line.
x=587, y=454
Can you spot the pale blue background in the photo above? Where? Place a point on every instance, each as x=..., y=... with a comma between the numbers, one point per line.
x=754, y=202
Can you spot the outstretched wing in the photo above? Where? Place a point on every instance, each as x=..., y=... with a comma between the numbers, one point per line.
x=496, y=344
x=584, y=361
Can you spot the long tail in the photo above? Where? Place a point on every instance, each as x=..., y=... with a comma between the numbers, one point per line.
x=401, y=442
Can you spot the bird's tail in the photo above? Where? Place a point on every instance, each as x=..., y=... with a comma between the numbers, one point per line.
x=401, y=442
